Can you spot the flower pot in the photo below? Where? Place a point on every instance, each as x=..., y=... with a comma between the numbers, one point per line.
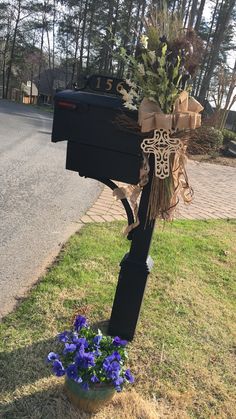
x=89, y=400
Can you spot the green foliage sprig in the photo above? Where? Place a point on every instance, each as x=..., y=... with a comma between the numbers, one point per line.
x=158, y=75
x=160, y=68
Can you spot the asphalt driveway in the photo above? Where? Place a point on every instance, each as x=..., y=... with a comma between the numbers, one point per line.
x=40, y=202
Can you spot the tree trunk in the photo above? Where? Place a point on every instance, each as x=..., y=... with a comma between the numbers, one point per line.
x=13, y=48
x=75, y=56
x=193, y=13
x=223, y=21
x=66, y=63
x=205, y=63
x=91, y=23
x=76, y=40
x=4, y=64
x=114, y=29
x=40, y=60
x=126, y=37
x=182, y=8
x=229, y=101
x=106, y=49
x=199, y=15
x=142, y=17
x=187, y=13
x=80, y=68
x=173, y=7
x=53, y=34
x=137, y=23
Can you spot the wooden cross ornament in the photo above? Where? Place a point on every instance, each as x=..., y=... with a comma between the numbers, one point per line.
x=161, y=145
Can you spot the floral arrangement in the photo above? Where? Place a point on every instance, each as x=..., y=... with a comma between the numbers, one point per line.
x=90, y=358
x=163, y=65
x=158, y=79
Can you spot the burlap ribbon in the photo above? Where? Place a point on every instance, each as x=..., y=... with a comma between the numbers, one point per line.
x=163, y=200
x=185, y=114
x=132, y=192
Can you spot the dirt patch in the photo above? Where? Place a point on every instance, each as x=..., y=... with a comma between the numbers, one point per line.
x=206, y=158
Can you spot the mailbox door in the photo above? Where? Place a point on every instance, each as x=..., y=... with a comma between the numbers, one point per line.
x=94, y=120
x=99, y=162
x=97, y=146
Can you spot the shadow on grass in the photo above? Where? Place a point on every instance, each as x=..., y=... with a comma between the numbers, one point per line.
x=25, y=365
x=29, y=364
x=46, y=404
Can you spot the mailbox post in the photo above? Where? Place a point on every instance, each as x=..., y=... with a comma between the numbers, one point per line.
x=135, y=267
x=98, y=149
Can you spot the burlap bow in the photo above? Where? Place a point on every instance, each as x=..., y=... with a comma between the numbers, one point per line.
x=185, y=114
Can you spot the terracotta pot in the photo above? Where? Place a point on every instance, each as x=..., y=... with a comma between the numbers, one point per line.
x=89, y=400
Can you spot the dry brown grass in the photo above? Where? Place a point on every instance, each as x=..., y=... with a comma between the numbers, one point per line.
x=48, y=400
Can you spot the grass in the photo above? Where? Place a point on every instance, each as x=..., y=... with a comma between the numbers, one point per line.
x=183, y=354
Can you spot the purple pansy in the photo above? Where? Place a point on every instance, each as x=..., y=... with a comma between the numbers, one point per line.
x=82, y=343
x=119, y=342
x=58, y=368
x=97, y=352
x=85, y=386
x=94, y=379
x=79, y=323
x=69, y=347
x=79, y=341
x=64, y=336
x=111, y=367
x=89, y=357
x=115, y=356
x=117, y=383
x=85, y=359
x=52, y=356
x=97, y=340
x=129, y=376
x=72, y=373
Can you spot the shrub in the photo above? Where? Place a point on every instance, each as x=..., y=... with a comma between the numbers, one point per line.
x=228, y=136
x=203, y=140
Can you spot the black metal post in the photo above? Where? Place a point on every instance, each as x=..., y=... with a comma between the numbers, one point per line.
x=135, y=267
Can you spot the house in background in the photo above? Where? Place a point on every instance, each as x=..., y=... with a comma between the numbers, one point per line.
x=26, y=94
x=29, y=94
x=210, y=117
x=231, y=121
x=50, y=82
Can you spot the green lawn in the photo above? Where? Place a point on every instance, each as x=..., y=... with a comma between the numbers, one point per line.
x=183, y=355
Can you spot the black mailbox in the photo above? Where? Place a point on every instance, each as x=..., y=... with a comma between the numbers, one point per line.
x=97, y=147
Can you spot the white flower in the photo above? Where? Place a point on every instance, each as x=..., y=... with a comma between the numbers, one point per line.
x=133, y=93
x=131, y=83
x=141, y=69
x=127, y=96
x=130, y=106
x=144, y=41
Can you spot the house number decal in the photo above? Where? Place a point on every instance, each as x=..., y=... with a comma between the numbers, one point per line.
x=106, y=84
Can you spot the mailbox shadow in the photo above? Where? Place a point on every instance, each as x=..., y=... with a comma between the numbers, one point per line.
x=31, y=117
x=25, y=365
x=47, y=404
x=25, y=115
x=28, y=364
x=45, y=132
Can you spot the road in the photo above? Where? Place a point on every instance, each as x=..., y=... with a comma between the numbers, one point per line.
x=40, y=202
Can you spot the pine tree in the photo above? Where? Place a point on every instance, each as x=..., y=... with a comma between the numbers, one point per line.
x=223, y=20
